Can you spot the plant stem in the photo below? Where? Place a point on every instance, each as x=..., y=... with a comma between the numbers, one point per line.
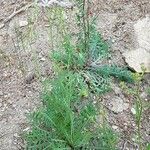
x=139, y=115
x=84, y=25
x=88, y=23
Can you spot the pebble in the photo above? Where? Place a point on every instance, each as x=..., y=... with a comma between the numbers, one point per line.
x=2, y=25
x=133, y=111
x=115, y=127
x=42, y=59
x=26, y=129
x=23, y=23
x=16, y=135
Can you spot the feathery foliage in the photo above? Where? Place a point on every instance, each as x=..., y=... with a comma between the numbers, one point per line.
x=67, y=119
x=65, y=122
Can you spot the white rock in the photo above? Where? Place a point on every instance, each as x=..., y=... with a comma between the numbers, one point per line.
x=142, y=54
x=138, y=57
x=26, y=129
x=2, y=25
x=133, y=111
x=46, y=3
x=42, y=59
x=142, y=32
x=23, y=23
x=16, y=135
x=114, y=127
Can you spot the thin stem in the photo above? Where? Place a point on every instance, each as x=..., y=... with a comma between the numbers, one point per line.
x=84, y=24
x=139, y=115
x=88, y=21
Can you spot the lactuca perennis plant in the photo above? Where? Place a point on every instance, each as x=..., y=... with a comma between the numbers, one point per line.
x=68, y=119
x=87, y=53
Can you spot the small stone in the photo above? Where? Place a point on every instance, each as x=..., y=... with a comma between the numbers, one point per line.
x=133, y=139
x=94, y=102
x=66, y=4
x=115, y=127
x=133, y=124
x=2, y=25
x=26, y=129
x=16, y=135
x=133, y=111
x=42, y=59
x=23, y=23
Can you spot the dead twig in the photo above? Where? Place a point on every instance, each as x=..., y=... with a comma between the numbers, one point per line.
x=15, y=13
x=124, y=145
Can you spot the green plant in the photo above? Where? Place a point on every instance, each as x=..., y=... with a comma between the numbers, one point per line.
x=86, y=54
x=148, y=146
x=148, y=91
x=67, y=119
x=75, y=58
x=139, y=104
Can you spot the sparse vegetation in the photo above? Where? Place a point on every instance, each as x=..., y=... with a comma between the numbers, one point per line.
x=139, y=104
x=67, y=120
x=148, y=91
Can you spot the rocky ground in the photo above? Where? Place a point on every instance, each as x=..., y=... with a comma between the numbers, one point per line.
x=125, y=24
